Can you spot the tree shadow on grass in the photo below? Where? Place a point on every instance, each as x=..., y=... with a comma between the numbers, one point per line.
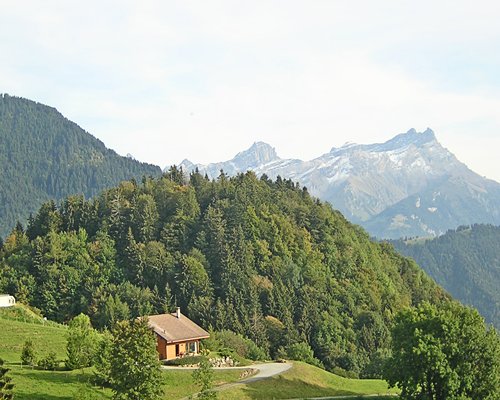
x=52, y=385
x=39, y=396
x=55, y=377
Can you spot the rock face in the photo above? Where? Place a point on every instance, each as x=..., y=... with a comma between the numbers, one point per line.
x=407, y=186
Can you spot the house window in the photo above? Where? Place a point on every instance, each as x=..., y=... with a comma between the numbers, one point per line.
x=192, y=347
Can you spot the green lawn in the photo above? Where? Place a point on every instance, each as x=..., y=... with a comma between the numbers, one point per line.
x=46, y=338
x=303, y=381
x=19, y=324
x=179, y=384
x=52, y=385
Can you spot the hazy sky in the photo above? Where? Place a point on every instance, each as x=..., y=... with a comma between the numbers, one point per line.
x=168, y=80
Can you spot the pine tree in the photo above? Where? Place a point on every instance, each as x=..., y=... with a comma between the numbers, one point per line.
x=135, y=370
x=5, y=383
x=28, y=356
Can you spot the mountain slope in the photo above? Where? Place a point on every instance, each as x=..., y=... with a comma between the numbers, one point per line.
x=45, y=156
x=466, y=262
x=407, y=186
x=259, y=257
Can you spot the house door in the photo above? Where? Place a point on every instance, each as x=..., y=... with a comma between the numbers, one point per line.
x=177, y=350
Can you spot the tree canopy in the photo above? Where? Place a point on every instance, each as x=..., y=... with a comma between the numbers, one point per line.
x=466, y=262
x=6, y=385
x=45, y=156
x=81, y=342
x=444, y=354
x=257, y=257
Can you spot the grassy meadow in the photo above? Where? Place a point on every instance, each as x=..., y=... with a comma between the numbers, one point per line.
x=18, y=324
x=306, y=381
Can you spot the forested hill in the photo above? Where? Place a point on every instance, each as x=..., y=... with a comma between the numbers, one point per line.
x=466, y=262
x=45, y=156
x=258, y=257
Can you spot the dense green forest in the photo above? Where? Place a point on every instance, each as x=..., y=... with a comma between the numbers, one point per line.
x=45, y=156
x=258, y=257
x=466, y=262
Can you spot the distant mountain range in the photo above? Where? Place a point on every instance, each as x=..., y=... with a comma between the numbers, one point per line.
x=408, y=186
x=45, y=156
x=466, y=262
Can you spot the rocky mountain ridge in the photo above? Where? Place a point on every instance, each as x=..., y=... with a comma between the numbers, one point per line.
x=408, y=186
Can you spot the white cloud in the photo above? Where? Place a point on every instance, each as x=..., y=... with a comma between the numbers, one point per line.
x=169, y=80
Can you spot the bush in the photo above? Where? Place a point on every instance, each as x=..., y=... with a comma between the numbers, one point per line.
x=303, y=352
x=204, y=352
x=346, y=374
x=102, y=359
x=225, y=352
x=190, y=360
x=49, y=362
x=229, y=344
x=254, y=352
x=28, y=356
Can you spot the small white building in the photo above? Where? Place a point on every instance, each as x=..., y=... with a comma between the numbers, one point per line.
x=7, y=300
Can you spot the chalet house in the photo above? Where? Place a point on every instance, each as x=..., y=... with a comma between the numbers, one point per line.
x=7, y=300
x=176, y=335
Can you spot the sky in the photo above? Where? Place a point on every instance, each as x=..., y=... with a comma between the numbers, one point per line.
x=203, y=80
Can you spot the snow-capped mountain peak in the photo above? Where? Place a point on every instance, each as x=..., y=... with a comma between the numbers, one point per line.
x=401, y=141
x=367, y=182
x=258, y=154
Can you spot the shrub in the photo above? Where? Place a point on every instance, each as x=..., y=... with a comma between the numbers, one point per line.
x=303, y=352
x=254, y=352
x=228, y=343
x=346, y=374
x=189, y=360
x=28, y=356
x=225, y=352
x=49, y=362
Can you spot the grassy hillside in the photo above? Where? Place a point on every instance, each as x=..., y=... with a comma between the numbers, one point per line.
x=19, y=323
x=305, y=381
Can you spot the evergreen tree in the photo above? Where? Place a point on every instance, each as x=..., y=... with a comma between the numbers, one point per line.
x=6, y=386
x=135, y=370
x=260, y=258
x=28, y=356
